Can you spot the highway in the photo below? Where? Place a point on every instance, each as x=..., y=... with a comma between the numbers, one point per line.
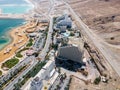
x=34, y=61
x=11, y=85
x=101, y=46
x=49, y=35
x=39, y=42
x=48, y=40
x=22, y=63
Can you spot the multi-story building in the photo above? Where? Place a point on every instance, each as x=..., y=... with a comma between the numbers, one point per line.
x=70, y=52
x=45, y=78
x=66, y=21
x=63, y=23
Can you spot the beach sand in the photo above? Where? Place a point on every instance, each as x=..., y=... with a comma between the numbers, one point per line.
x=19, y=39
x=37, y=27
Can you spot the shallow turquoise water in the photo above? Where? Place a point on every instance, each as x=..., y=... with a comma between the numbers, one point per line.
x=15, y=6
x=5, y=26
x=4, y=2
x=12, y=7
x=15, y=9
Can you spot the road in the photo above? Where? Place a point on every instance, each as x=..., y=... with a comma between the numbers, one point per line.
x=49, y=35
x=101, y=46
x=39, y=42
x=48, y=40
x=11, y=85
x=22, y=63
x=51, y=7
x=66, y=82
x=42, y=54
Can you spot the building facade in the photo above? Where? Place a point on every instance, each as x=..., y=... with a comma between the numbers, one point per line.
x=70, y=53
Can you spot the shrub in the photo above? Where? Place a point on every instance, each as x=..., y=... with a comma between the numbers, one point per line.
x=72, y=34
x=97, y=80
x=55, y=46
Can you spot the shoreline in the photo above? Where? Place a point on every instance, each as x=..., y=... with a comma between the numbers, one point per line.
x=21, y=15
x=8, y=33
x=8, y=42
x=18, y=34
x=15, y=39
x=13, y=16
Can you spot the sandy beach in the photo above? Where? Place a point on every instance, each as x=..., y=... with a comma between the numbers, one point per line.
x=19, y=39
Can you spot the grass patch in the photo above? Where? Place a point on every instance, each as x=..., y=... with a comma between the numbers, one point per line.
x=30, y=43
x=10, y=63
x=0, y=73
x=19, y=55
x=23, y=50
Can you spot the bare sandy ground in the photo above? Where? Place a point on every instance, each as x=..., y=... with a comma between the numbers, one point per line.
x=19, y=39
x=102, y=16
x=77, y=84
x=103, y=19
x=36, y=27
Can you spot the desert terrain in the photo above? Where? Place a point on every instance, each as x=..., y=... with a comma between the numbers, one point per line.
x=102, y=16
x=78, y=84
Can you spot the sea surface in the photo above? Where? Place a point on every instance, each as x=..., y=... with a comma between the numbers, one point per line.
x=6, y=25
x=19, y=2
x=15, y=6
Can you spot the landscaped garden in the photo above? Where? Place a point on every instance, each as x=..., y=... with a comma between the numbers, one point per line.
x=10, y=63
x=30, y=43
x=18, y=54
x=30, y=74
